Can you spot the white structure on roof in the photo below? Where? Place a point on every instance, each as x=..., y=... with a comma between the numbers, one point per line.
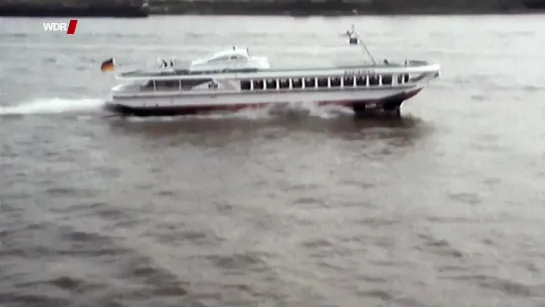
x=230, y=59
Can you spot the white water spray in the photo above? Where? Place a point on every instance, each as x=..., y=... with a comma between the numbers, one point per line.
x=302, y=109
x=53, y=106
x=91, y=105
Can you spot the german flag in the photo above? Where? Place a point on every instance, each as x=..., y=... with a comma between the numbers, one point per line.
x=108, y=65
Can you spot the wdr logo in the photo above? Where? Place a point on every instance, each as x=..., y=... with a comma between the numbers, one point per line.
x=69, y=28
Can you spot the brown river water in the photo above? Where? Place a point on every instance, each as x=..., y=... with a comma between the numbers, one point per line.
x=444, y=207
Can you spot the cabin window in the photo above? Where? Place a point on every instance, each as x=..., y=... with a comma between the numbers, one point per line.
x=406, y=78
x=297, y=83
x=387, y=80
x=335, y=82
x=400, y=79
x=360, y=81
x=258, y=84
x=234, y=57
x=348, y=81
x=223, y=58
x=284, y=83
x=310, y=82
x=245, y=85
x=168, y=84
x=191, y=83
x=373, y=80
x=271, y=84
x=322, y=82
x=149, y=85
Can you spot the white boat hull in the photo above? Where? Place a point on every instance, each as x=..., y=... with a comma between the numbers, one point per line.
x=174, y=105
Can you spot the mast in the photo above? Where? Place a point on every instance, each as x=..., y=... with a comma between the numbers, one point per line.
x=354, y=38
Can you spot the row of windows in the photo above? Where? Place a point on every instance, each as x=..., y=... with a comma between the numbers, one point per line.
x=291, y=83
x=347, y=81
x=174, y=84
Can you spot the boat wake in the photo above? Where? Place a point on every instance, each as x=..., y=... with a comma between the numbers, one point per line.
x=53, y=106
x=81, y=106
x=295, y=110
x=312, y=110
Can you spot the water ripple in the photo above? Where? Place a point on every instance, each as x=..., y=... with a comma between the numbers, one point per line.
x=301, y=207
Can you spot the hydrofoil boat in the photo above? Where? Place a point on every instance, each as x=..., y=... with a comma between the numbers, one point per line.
x=232, y=80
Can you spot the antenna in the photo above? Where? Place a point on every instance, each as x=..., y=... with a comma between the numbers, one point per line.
x=352, y=34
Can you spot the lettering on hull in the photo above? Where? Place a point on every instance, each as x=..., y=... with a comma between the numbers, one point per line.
x=359, y=72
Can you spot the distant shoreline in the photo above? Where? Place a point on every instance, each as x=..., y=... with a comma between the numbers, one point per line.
x=41, y=10
x=249, y=8
x=347, y=14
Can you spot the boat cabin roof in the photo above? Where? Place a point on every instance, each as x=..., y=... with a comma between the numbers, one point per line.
x=410, y=67
x=188, y=72
x=225, y=55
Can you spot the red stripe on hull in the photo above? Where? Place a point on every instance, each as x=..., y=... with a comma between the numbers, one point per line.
x=180, y=110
